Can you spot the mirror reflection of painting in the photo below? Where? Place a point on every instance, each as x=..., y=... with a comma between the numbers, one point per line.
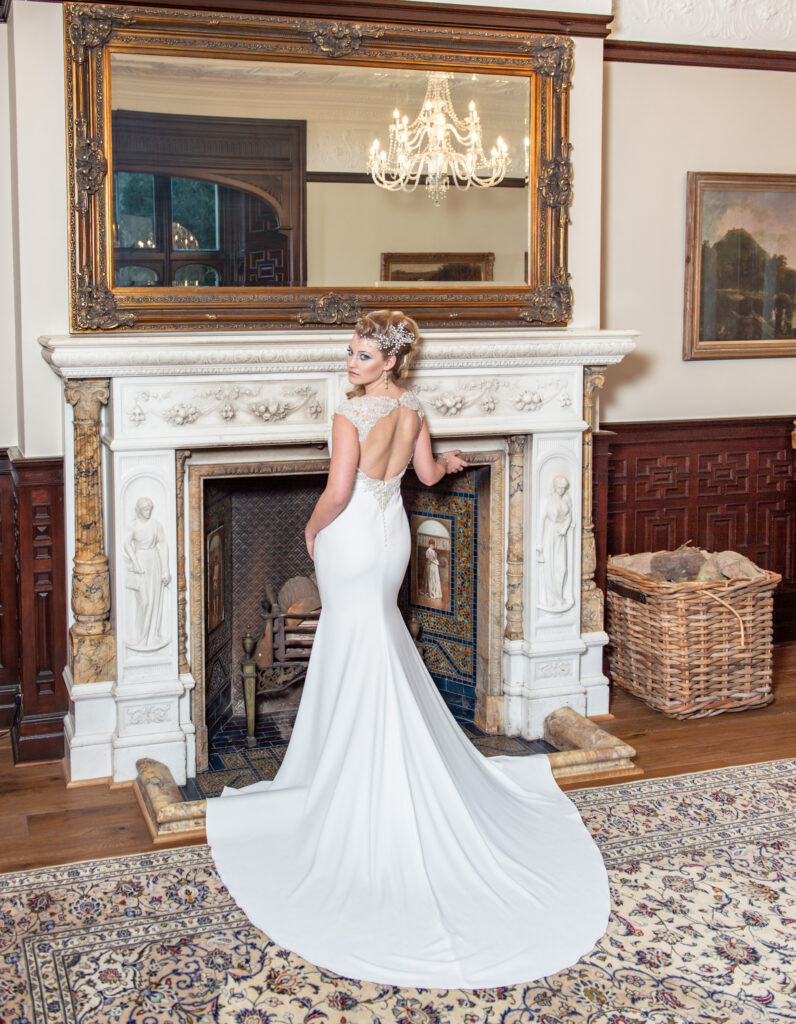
x=215, y=578
x=431, y=563
x=445, y=266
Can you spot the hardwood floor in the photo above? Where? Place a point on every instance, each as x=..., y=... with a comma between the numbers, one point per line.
x=667, y=747
x=45, y=823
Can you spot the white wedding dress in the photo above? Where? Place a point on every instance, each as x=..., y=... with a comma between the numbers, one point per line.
x=387, y=848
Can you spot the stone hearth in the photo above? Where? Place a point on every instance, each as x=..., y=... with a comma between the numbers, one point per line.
x=140, y=408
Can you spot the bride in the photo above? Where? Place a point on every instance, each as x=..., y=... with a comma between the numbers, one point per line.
x=387, y=848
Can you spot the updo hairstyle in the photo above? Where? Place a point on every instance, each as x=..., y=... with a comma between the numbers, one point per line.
x=374, y=327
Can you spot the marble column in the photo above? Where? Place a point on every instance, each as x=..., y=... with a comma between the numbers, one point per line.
x=182, y=456
x=514, y=553
x=92, y=647
x=591, y=601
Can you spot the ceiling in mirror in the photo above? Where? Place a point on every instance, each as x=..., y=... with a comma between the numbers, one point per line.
x=216, y=189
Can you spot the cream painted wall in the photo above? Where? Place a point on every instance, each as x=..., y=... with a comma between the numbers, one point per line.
x=9, y=434
x=586, y=99
x=345, y=236
x=659, y=123
x=39, y=152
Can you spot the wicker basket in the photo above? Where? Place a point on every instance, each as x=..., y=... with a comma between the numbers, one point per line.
x=692, y=649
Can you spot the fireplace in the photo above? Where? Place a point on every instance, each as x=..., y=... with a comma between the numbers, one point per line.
x=247, y=543
x=251, y=546
x=150, y=416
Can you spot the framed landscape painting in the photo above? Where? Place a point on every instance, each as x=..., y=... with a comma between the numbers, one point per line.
x=740, y=274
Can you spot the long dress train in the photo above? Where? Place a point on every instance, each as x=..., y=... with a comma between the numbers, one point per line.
x=387, y=848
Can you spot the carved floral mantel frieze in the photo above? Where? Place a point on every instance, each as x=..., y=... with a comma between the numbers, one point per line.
x=228, y=403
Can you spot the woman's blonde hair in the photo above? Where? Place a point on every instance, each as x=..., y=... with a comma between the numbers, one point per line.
x=374, y=327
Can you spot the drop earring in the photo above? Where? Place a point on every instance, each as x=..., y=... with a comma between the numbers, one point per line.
x=386, y=378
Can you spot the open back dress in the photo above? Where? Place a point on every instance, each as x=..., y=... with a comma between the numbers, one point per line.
x=387, y=848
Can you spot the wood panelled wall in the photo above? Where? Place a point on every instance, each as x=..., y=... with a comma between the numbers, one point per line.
x=9, y=675
x=33, y=596
x=719, y=483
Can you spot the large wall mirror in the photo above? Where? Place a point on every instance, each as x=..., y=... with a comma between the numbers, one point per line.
x=224, y=172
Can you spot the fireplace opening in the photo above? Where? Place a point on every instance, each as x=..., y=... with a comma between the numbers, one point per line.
x=258, y=608
x=255, y=556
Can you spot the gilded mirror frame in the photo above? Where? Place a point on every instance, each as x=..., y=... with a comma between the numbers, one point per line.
x=93, y=32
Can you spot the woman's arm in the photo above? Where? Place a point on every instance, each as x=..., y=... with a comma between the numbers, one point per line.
x=342, y=468
x=429, y=470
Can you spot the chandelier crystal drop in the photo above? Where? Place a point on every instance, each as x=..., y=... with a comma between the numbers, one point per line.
x=428, y=146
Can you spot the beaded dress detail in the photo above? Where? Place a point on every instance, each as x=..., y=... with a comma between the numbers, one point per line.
x=387, y=848
x=365, y=412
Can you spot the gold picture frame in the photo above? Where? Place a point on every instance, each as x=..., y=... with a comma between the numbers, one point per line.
x=740, y=274
x=93, y=35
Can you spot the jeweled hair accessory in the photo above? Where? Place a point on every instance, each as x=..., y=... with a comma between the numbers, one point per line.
x=395, y=338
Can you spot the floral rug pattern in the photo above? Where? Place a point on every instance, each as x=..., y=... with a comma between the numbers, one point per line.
x=703, y=929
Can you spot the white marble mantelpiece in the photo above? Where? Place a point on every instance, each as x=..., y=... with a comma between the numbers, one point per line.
x=263, y=391
x=158, y=355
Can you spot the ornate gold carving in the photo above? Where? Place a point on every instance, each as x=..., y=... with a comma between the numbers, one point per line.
x=90, y=164
x=181, y=457
x=337, y=39
x=552, y=57
x=555, y=182
x=90, y=25
x=514, y=552
x=96, y=306
x=591, y=597
x=551, y=303
x=332, y=309
x=92, y=654
x=91, y=29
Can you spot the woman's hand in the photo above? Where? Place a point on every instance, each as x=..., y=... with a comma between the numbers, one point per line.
x=309, y=540
x=452, y=462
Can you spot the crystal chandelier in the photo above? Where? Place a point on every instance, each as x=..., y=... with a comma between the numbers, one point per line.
x=427, y=146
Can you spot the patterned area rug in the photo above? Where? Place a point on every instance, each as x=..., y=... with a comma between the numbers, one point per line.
x=703, y=877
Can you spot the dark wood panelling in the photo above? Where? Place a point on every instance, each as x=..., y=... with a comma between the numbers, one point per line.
x=719, y=483
x=401, y=12
x=38, y=484
x=9, y=678
x=631, y=52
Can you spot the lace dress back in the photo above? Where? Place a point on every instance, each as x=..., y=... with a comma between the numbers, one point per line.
x=387, y=438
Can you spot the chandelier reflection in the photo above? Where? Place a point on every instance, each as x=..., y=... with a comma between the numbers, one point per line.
x=428, y=146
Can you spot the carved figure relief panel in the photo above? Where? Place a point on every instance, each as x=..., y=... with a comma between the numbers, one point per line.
x=145, y=561
x=554, y=559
